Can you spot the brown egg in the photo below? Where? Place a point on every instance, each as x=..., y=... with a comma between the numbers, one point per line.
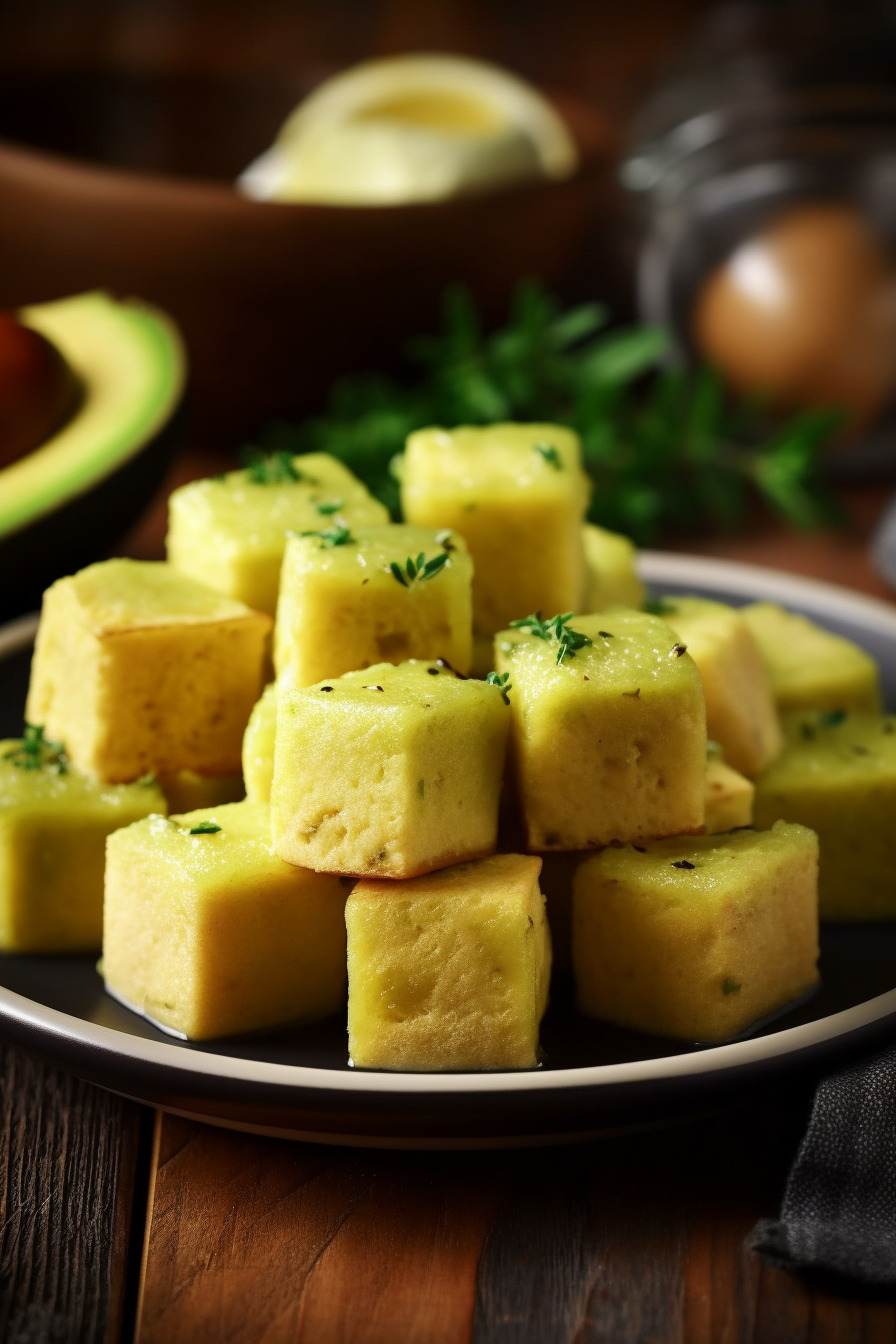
x=805, y=313
x=38, y=390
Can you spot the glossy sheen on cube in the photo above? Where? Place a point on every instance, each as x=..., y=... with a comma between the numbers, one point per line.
x=610, y=744
x=729, y=796
x=697, y=938
x=230, y=531
x=517, y=494
x=810, y=668
x=211, y=934
x=740, y=706
x=139, y=669
x=341, y=607
x=258, y=747
x=53, y=829
x=449, y=971
x=837, y=774
x=389, y=772
x=611, y=574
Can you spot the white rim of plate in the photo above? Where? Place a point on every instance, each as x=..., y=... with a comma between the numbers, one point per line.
x=810, y=595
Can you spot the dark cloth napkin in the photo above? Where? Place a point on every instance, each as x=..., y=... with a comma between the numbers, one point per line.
x=838, y=1217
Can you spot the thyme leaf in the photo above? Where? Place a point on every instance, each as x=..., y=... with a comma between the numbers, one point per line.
x=503, y=683
x=270, y=467
x=205, y=828
x=35, y=751
x=558, y=627
x=418, y=570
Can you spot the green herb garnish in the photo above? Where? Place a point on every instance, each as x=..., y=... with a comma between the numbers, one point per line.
x=730, y=986
x=332, y=536
x=37, y=752
x=270, y=467
x=558, y=628
x=666, y=449
x=503, y=683
x=831, y=718
x=550, y=455
x=419, y=570
x=205, y=828
x=329, y=506
x=659, y=606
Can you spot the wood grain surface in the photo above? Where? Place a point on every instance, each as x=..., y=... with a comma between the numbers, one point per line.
x=69, y=1173
x=632, y=1239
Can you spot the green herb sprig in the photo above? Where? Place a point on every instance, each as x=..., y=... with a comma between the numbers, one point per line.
x=666, y=449
x=550, y=455
x=558, y=627
x=35, y=751
x=270, y=467
x=419, y=570
x=332, y=536
x=503, y=683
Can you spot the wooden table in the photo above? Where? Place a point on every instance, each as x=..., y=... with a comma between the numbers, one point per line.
x=114, y=1219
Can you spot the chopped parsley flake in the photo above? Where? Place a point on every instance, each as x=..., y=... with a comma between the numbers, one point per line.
x=205, y=828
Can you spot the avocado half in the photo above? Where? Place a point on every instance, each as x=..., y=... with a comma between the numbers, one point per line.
x=68, y=502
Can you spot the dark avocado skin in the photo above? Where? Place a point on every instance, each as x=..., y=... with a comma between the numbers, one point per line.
x=86, y=527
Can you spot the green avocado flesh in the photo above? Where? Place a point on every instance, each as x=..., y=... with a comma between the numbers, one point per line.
x=130, y=363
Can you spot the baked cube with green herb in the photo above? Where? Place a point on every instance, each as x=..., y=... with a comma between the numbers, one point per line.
x=449, y=971
x=837, y=774
x=729, y=795
x=372, y=595
x=611, y=574
x=700, y=938
x=230, y=531
x=809, y=667
x=517, y=494
x=740, y=706
x=139, y=669
x=54, y=821
x=389, y=772
x=608, y=729
x=207, y=933
x=258, y=747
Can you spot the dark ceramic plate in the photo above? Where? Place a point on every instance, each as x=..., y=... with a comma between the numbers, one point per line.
x=296, y=1083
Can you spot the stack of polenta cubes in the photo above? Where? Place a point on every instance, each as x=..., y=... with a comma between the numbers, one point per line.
x=434, y=722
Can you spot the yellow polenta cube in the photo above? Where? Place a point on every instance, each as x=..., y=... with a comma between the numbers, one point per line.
x=611, y=575
x=517, y=494
x=383, y=594
x=207, y=933
x=389, y=772
x=449, y=971
x=258, y=747
x=809, y=667
x=138, y=668
x=837, y=774
x=729, y=796
x=609, y=742
x=740, y=706
x=230, y=531
x=697, y=938
x=53, y=827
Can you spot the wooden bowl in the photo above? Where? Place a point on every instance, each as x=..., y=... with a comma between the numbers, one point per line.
x=276, y=300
